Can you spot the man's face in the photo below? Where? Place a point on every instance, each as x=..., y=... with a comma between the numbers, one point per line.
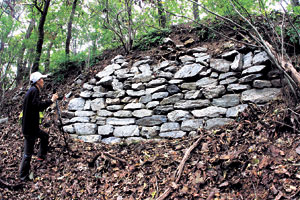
x=40, y=83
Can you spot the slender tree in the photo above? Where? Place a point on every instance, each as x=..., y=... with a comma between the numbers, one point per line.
x=69, y=34
x=20, y=62
x=196, y=11
x=43, y=9
x=161, y=14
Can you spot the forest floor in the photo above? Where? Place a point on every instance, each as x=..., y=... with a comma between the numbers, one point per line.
x=256, y=157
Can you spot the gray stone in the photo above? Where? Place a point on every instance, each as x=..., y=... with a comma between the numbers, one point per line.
x=211, y=111
x=85, y=128
x=87, y=86
x=152, y=121
x=214, y=91
x=86, y=94
x=228, y=81
x=179, y=115
x=162, y=110
x=173, y=89
x=226, y=101
x=69, y=129
x=138, y=86
x=104, y=113
x=172, y=99
x=140, y=62
x=247, y=60
x=134, y=93
x=67, y=114
x=150, y=132
x=116, y=85
x=161, y=88
x=159, y=95
x=202, y=59
x=98, y=95
x=227, y=75
x=187, y=59
x=111, y=140
x=207, y=81
x=145, y=99
x=249, y=78
x=76, y=104
x=87, y=105
x=107, y=80
x=260, y=95
x=254, y=69
x=99, y=89
x=197, y=50
x=156, y=82
x=152, y=104
x=214, y=75
x=237, y=64
x=3, y=120
x=115, y=94
x=173, y=134
x=80, y=119
x=123, y=113
x=192, y=124
x=141, y=78
x=134, y=106
x=108, y=70
x=126, y=131
x=220, y=65
x=176, y=81
x=189, y=71
x=237, y=87
x=145, y=69
x=193, y=94
x=234, y=111
x=120, y=121
x=170, y=126
x=134, y=140
x=217, y=122
x=189, y=86
x=167, y=75
x=230, y=55
x=126, y=100
x=260, y=58
x=98, y=104
x=262, y=84
x=90, y=138
x=142, y=113
x=113, y=101
x=191, y=104
x=115, y=107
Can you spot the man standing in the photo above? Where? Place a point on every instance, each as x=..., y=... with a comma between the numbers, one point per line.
x=30, y=123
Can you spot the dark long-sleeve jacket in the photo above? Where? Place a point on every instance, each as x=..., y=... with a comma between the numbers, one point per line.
x=31, y=107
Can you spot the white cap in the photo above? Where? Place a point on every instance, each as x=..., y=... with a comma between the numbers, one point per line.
x=34, y=77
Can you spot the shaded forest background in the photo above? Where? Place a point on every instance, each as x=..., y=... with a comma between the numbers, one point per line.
x=55, y=36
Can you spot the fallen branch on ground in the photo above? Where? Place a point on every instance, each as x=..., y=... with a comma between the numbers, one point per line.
x=179, y=169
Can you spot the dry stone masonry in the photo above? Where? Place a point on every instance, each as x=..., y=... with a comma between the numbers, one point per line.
x=170, y=99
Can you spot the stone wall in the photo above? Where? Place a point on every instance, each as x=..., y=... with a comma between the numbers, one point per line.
x=170, y=99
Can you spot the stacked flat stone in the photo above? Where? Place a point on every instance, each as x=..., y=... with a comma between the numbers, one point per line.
x=170, y=99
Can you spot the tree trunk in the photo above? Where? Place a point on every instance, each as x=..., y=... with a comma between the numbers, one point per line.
x=295, y=3
x=20, y=62
x=129, y=12
x=69, y=34
x=161, y=14
x=196, y=11
x=39, y=45
x=47, y=63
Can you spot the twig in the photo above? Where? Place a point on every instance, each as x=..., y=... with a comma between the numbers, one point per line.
x=4, y=184
x=91, y=164
x=284, y=124
x=179, y=169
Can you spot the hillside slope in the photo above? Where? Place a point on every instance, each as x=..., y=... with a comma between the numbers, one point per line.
x=257, y=157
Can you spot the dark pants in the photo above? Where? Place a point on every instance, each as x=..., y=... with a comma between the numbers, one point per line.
x=29, y=142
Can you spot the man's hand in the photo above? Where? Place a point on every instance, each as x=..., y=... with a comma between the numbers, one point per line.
x=54, y=98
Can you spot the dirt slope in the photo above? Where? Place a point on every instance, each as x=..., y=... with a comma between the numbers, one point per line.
x=255, y=158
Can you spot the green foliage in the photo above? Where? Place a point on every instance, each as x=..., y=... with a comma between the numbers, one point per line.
x=152, y=38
